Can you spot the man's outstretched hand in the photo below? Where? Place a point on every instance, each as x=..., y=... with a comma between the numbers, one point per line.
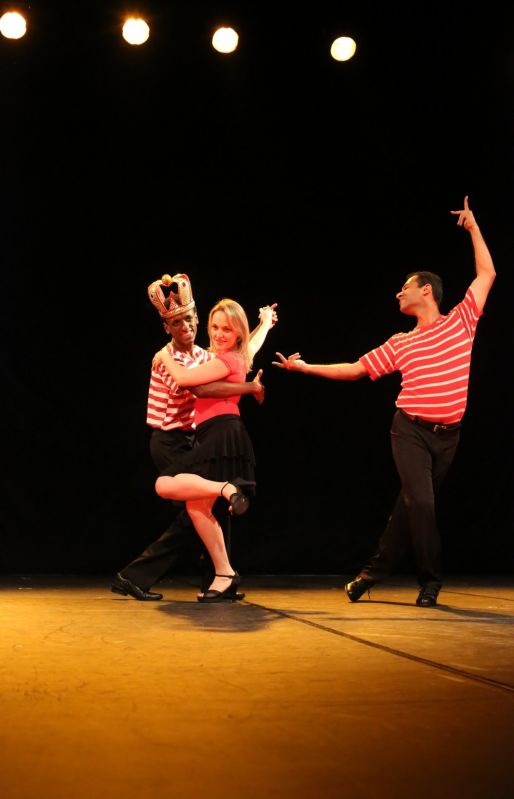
x=293, y=363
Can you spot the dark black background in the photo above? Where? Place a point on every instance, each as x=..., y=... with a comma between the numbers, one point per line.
x=273, y=175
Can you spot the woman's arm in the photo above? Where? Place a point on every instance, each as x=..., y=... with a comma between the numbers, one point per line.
x=222, y=388
x=207, y=372
x=267, y=319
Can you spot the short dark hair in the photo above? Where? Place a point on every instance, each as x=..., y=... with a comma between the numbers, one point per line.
x=435, y=281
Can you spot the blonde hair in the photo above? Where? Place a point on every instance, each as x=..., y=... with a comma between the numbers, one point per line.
x=238, y=320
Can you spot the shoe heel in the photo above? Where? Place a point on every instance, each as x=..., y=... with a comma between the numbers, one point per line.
x=116, y=590
x=230, y=593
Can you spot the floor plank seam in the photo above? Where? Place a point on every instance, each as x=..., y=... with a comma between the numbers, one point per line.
x=434, y=664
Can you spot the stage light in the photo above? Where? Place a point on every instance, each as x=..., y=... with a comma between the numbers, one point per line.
x=225, y=40
x=136, y=31
x=13, y=25
x=343, y=48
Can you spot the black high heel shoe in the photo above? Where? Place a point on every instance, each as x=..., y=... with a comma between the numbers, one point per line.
x=239, y=501
x=228, y=595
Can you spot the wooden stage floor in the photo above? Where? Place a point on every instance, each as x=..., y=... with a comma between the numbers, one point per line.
x=294, y=692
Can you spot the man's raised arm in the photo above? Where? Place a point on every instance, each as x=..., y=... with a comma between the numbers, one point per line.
x=484, y=265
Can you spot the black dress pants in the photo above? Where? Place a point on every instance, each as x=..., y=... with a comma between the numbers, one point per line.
x=422, y=457
x=166, y=448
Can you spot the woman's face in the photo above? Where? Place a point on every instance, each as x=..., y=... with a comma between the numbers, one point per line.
x=222, y=334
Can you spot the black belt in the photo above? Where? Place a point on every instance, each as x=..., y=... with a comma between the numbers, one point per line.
x=433, y=426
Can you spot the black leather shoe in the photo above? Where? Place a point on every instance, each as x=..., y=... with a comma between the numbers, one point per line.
x=120, y=585
x=228, y=595
x=239, y=502
x=356, y=588
x=427, y=596
x=238, y=596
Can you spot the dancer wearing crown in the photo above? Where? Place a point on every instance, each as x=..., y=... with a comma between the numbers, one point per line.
x=223, y=463
x=171, y=415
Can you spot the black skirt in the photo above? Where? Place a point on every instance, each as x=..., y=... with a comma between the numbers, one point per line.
x=223, y=451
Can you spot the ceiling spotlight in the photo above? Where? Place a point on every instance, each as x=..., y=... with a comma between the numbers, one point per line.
x=343, y=48
x=225, y=40
x=136, y=31
x=13, y=25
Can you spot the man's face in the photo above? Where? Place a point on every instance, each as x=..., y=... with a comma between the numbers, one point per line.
x=182, y=329
x=410, y=296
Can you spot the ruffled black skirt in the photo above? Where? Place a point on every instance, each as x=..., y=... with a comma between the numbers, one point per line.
x=223, y=451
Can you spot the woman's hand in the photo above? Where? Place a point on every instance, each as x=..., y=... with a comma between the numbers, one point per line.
x=268, y=315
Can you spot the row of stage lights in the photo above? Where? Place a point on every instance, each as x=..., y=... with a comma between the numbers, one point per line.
x=136, y=31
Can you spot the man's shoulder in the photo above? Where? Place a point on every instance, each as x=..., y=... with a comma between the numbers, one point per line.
x=196, y=356
x=468, y=300
x=466, y=309
x=395, y=338
x=199, y=355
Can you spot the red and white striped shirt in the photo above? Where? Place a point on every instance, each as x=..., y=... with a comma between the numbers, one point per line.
x=169, y=405
x=434, y=362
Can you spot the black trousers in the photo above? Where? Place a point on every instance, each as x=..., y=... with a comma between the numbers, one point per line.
x=166, y=448
x=423, y=457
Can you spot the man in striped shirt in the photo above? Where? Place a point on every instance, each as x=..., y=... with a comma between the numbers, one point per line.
x=170, y=414
x=434, y=361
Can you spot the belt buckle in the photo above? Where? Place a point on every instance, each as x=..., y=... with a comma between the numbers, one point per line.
x=439, y=427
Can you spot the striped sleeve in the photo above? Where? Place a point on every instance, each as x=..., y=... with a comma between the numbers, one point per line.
x=382, y=360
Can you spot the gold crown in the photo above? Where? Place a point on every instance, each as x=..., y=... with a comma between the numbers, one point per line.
x=178, y=301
